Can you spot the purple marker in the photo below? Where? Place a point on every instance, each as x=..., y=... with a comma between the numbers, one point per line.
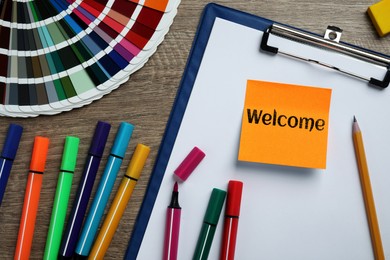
x=80, y=203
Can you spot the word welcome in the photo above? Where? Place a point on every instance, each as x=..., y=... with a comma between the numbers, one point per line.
x=257, y=116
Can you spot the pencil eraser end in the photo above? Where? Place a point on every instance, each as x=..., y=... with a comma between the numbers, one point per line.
x=379, y=14
x=39, y=154
x=12, y=140
x=189, y=164
x=234, y=194
x=99, y=138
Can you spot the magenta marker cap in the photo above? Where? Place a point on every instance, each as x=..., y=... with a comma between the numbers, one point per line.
x=189, y=163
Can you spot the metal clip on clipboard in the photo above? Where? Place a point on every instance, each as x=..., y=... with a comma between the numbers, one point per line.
x=330, y=41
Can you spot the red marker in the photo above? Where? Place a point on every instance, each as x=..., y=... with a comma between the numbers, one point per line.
x=232, y=213
x=172, y=226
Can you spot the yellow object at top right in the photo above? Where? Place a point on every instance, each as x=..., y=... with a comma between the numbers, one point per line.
x=380, y=16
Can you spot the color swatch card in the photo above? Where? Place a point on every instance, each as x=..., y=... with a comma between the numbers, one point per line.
x=63, y=54
x=285, y=124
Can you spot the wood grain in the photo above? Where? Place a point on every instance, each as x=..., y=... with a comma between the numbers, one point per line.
x=146, y=101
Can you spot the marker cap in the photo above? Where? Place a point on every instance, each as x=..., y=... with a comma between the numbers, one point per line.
x=138, y=161
x=39, y=154
x=12, y=140
x=189, y=163
x=99, y=138
x=233, y=201
x=69, y=155
x=122, y=139
x=214, y=207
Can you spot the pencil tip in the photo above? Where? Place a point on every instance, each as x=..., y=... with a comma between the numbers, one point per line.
x=355, y=125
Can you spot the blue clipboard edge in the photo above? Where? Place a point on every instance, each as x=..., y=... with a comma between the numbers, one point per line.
x=210, y=13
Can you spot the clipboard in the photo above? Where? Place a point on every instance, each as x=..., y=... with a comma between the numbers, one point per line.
x=286, y=212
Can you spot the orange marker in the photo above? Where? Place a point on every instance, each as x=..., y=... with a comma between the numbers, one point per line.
x=31, y=198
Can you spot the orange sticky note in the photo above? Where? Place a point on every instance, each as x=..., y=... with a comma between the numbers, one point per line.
x=285, y=124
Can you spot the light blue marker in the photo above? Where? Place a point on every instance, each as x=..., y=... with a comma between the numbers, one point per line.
x=104, y=189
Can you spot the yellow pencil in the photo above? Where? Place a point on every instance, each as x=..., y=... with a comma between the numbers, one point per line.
x=367, y=192
x=119, y=203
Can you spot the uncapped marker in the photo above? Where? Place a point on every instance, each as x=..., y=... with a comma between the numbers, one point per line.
x=172, y=226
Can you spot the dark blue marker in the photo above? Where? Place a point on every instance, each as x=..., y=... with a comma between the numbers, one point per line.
x=8, y=154
x=80, y=203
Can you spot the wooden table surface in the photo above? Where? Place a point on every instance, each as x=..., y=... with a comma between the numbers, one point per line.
x=146, y=101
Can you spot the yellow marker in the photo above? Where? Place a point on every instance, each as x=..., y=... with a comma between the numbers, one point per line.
x=119, y=203
x=379, y=14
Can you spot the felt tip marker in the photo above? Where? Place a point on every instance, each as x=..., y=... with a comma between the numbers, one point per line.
x=209, y=226
x=31, y=198
x=84, y=190
x=8, y=154
x=119, y=203
x=61, y=198
x=104, y=189
x=232, y=213
x=172, y=226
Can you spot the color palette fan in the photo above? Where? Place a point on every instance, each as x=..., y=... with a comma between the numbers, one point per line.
x=61, y=54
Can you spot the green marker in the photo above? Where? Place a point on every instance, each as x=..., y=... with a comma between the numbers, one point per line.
x=61, y=198
x=209, y=226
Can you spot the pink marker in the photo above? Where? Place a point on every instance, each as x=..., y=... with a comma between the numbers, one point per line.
x=172, y=226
